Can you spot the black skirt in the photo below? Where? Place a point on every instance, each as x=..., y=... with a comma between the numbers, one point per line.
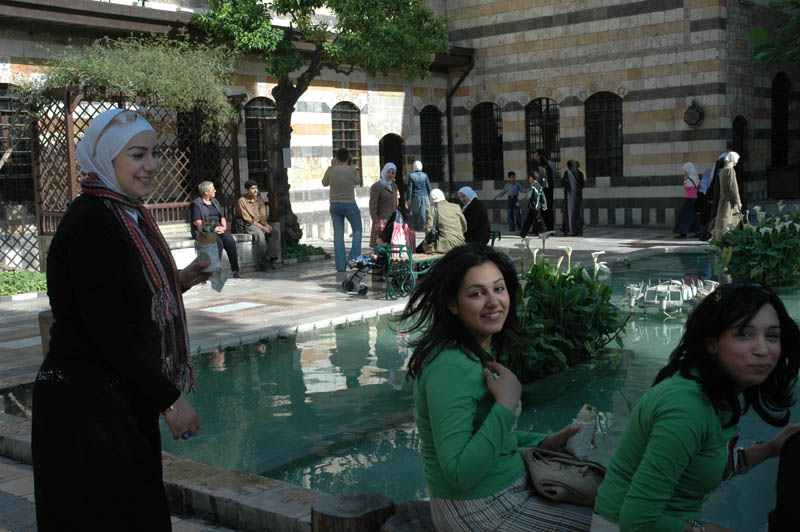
x=687, y=218
x=97, y=458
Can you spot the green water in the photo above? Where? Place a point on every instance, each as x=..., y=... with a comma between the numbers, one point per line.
x=330, y=410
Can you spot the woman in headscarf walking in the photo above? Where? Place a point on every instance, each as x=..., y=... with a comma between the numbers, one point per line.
x=419, y=189
x=573, y=199
x=382, y=201
x=729, y=212
x=687, y=218
x=478, y=229
x=119, y=348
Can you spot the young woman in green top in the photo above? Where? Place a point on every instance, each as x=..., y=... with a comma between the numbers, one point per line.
x=467, y=403
x=740, y=349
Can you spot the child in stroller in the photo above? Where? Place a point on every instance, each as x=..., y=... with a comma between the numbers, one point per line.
x=396, y=231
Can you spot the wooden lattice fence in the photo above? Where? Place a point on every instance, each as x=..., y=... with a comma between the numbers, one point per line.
x=186, y=159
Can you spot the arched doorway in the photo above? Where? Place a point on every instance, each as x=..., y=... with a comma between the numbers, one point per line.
x=739, y=145
x=391, y=151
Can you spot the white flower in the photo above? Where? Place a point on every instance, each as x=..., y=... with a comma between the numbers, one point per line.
x=597, y=254
x=765, y=230
x=604, y=267
x=781, y=206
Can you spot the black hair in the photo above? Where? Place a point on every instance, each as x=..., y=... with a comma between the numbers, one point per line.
x=250, y=183
x=734, y=306
x=534, y=174
x=543, y=154
x=343, y=155
x=428, y=312
x=512, y=172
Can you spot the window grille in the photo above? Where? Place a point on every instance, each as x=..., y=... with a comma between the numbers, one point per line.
x=487, y=142
x=781, y=93
x=542, y=131
x=16, y=174
x=346, y=127
x=430, y=125
x=603, y=119
x=259, y=115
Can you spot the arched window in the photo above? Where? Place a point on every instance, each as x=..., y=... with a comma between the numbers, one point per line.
x=346, y=128
x=781, y=93
x=603, y=119
x=16, y=174
x=430, y=126
x=542, y=131
x=260, y=126
x=487, y=142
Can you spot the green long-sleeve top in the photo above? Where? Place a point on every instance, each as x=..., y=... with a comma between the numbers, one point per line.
x=468, y=441
x=672, y=454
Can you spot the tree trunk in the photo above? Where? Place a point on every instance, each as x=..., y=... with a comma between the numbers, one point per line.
x=280, y=202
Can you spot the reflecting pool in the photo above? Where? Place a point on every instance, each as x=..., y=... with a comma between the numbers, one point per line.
x=330, y=410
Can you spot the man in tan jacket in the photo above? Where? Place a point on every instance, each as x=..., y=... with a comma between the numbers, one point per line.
x=252, y=210
x=451, y=224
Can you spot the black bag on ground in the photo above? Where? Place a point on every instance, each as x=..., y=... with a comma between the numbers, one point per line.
x=433, y=235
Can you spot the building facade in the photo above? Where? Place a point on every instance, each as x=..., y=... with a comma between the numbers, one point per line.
x=630, y=89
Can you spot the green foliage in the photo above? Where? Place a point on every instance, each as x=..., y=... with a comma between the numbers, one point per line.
x=567, y=317
x=373, y=35
x=153, y=70
x=768, y=253
x=301, y=250
x=783, y=46
x=21, y=282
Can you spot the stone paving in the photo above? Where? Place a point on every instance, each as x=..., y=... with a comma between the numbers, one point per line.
x=264, y=304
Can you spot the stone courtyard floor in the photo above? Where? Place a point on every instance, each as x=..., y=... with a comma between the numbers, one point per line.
x=264, y=304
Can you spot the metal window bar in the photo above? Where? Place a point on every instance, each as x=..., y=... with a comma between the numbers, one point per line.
x=487, y=142
x=16, y=171
x=603, y=119
x=542, y=126
x=430, y=124
x=781, y=94
x=257, y=114
x=346, y=131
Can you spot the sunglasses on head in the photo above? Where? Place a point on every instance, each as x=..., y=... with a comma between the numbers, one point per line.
x=726, y=288
x=125, y=117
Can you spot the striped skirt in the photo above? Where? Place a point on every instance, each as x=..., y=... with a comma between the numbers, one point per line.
x=516, y=508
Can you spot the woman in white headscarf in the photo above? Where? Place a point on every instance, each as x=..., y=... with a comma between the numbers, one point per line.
x=118, y=353
x=478, y=229
x=419, y=189
x=382, y=201
x=687, y=218
x=729, y=211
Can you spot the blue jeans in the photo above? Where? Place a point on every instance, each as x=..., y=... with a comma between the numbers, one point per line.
x=514, y=214
x=340, y=211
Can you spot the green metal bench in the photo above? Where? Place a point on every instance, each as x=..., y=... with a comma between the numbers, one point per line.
x=403, y=268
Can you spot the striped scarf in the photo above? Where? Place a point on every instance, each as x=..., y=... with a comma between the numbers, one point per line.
x=166, y=308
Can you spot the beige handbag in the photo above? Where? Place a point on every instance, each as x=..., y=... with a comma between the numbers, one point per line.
x=561, y=477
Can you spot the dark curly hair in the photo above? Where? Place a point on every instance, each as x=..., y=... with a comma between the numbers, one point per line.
x=733, y=306
x=428, y=313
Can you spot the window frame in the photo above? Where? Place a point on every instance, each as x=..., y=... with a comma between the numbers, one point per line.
x=431, y=147
x=603, y=135
x=487, y=142
x=342, y=114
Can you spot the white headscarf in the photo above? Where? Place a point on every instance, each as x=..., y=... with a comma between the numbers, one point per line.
x=111, y=141
x=437, y=195
x=417, y=166
x=691, y=172
x=387, y=183
x=731, y=159
x=469, y=193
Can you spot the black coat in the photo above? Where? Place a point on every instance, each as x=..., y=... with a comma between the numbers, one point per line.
x=478, y=229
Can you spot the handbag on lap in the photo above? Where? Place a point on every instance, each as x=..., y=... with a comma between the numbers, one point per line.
x=561, y=477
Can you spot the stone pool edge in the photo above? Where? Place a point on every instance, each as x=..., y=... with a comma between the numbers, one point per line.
x=231, y=498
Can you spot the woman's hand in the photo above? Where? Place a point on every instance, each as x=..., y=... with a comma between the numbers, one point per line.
x=558, y=441
x=505, y=386
x=193, y=274
x=182, y=418
x=219, y=229
x=776, y=442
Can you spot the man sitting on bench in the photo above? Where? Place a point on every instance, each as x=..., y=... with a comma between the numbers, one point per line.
x=253, y=213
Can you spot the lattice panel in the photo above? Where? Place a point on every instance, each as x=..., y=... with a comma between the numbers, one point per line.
x=52, y=178
x=185, y=161
x=20, y=248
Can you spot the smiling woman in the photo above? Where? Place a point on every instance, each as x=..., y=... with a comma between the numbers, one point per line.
x=740, y=349
x=467, y=404
x=118, y=353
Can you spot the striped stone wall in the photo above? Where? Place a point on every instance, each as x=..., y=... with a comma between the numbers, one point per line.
x=657, y=55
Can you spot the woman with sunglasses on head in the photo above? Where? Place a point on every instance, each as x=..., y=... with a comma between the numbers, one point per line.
x=740, y=349
x=118, y=353
x=467, y=404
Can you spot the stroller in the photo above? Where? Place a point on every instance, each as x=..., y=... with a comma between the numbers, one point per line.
x=363, y=265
